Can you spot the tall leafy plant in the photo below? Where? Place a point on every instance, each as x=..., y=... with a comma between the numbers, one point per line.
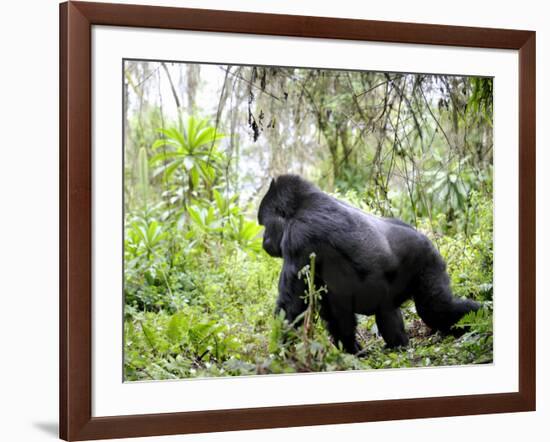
x=191, y=154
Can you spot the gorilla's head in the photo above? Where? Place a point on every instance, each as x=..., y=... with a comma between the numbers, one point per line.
x=278, y=206
x=272, y=218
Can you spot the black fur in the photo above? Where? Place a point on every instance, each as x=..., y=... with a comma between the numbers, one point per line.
x=370, y=265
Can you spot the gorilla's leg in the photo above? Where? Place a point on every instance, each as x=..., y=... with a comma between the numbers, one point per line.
x=391, y=327
x=435, y=303
x=341, y=322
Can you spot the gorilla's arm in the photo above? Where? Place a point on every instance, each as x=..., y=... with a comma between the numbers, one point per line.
x=273, y=237
x=291, y=291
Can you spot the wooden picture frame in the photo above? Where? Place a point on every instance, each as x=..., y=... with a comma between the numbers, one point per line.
x=76, y=21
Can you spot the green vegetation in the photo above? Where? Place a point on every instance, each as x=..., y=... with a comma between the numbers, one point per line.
x=200, y=291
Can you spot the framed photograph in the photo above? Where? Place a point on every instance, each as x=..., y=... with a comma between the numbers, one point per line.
x=275, y=220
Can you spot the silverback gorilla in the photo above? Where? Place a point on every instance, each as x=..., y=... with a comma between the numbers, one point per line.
x=370, y=265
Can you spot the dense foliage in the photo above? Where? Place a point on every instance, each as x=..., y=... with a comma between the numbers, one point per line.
x=200, y=291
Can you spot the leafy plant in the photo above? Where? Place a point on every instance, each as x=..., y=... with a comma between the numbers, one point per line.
x=480, y=321
x=193, y=153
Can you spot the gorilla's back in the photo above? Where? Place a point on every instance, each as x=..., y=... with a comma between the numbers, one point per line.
x=374, y=255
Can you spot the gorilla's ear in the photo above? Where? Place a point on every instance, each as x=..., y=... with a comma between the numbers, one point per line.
x=272, y=185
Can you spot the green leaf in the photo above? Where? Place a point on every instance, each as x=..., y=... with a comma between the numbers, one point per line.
x=220, y=202
x=176, y=135
x=196, y=216
x=162, y=142
x=177, y=327
x=149, y=335
x=194, y=177
x=207, y=137
x=163, y=156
